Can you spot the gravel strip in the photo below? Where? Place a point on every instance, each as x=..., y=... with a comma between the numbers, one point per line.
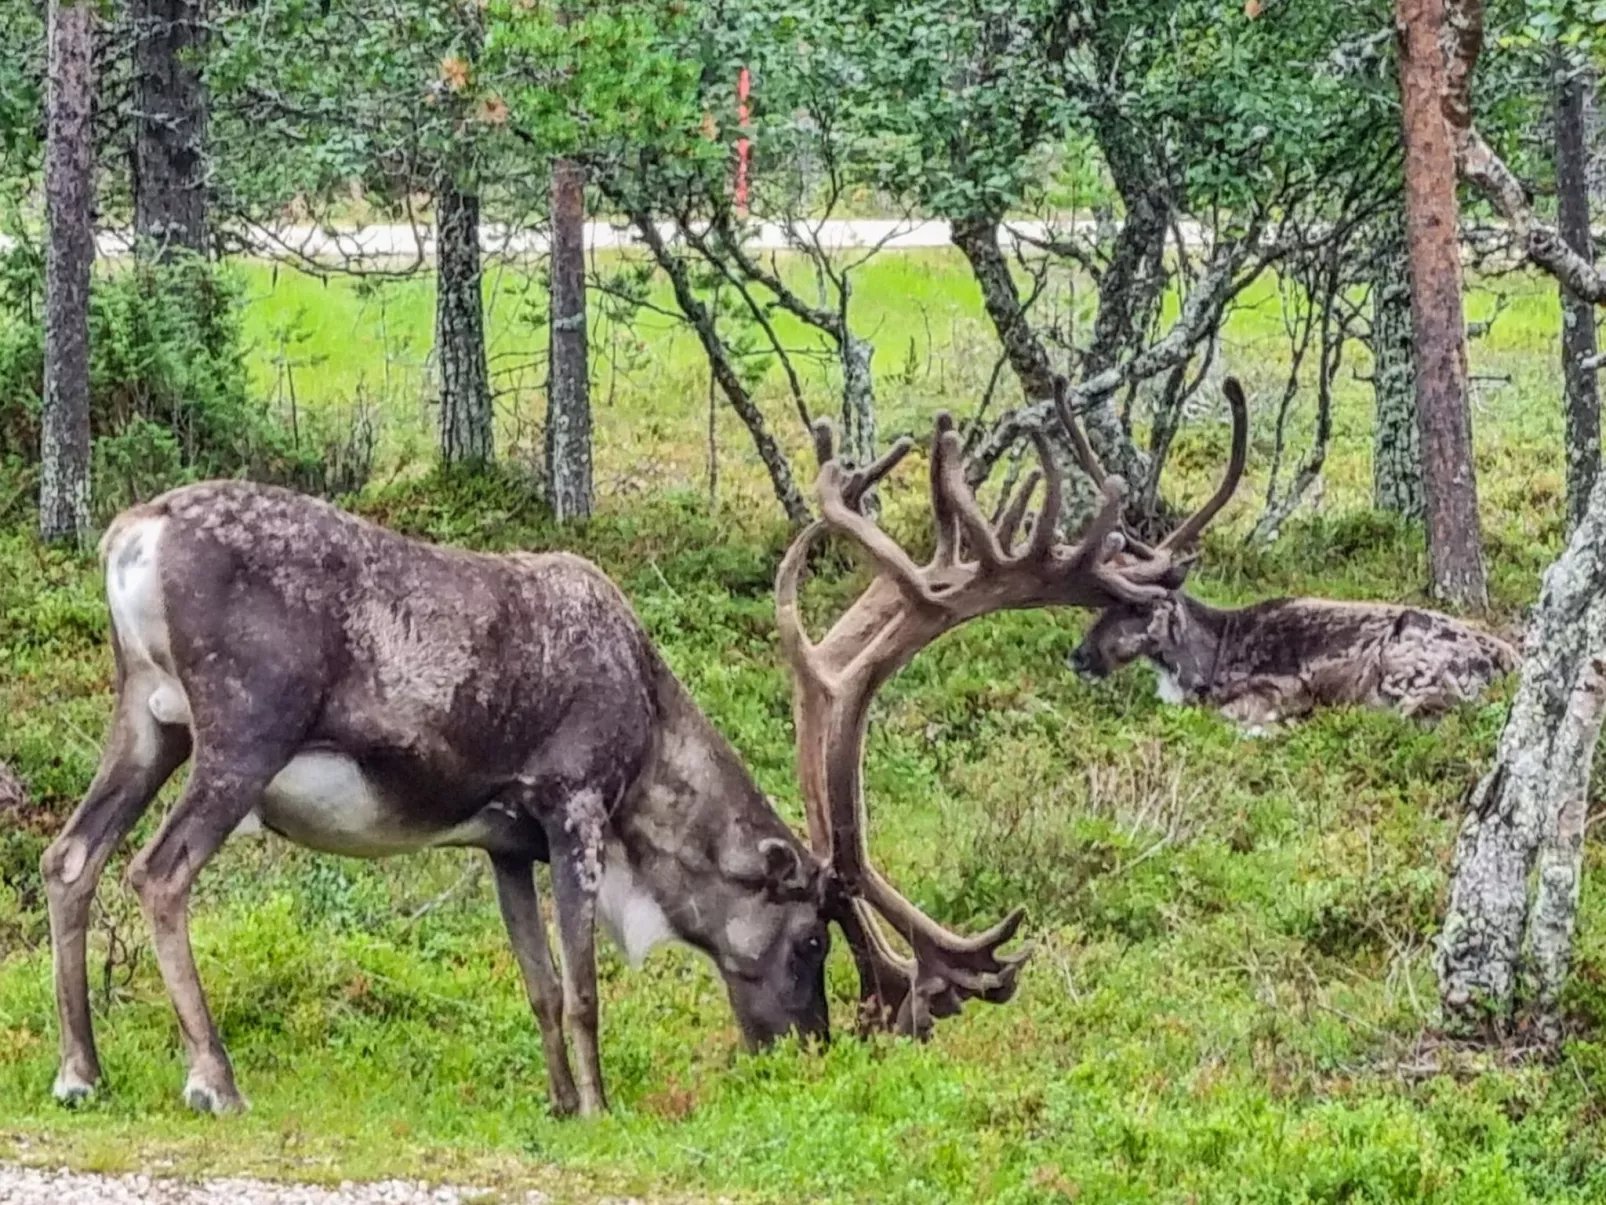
x=35, y=1186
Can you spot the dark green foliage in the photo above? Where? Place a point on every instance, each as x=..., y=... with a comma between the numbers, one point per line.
x=170, y=399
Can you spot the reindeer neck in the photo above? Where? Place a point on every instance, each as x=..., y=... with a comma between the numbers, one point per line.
x=1195, y=659
x=692, y=825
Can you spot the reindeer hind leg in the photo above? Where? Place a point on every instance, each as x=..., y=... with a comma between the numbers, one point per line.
x=242, y=750
x=139, y=757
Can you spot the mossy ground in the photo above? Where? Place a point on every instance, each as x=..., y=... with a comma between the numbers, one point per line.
x=1232, y=977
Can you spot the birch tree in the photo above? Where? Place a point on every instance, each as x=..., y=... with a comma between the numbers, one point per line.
x=1506, y=943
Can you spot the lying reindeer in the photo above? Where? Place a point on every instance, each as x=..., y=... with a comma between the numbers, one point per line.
x=1280, y=659
x=367, y=694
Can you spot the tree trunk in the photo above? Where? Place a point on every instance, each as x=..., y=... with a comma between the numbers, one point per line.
x=169, y=127
x=858, y=399
x=1577, y=313
x=467, y=428
x=730, y=384
x=1133, y=281
x=70, y=254
x=12, y=794
x=1455, y=543
x=977, y=238
x=568, y=414
x=1396, y=443
x=1530, y=808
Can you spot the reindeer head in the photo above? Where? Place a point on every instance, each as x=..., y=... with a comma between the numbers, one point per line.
x=776, y=943
x=978, y=566
x=1157, y=628
x=1125, y=632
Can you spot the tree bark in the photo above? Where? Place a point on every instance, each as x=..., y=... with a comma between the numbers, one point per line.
x=467, y=426
x=169, y=127
x=568, y=415
x=1455, y=542
x=69, y=257
x=1529, y=807
x=1577, y=313
x=1134, y=280
x=1396, y=443
x=858, y=399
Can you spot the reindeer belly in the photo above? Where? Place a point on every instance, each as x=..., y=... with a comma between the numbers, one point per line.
x=324, y=801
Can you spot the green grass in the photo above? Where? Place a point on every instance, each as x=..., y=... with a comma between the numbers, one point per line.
x=1232, y=972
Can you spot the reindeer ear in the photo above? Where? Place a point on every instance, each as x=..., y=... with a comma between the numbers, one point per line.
x=1175, y=576
x=787, y=873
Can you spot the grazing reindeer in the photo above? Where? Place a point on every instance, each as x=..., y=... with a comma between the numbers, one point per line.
x=366, y=694
x=1279, y=659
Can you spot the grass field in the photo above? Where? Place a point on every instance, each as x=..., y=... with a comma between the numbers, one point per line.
x=1232, y=980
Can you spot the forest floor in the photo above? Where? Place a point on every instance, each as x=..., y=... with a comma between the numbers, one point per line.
x=1231, y=996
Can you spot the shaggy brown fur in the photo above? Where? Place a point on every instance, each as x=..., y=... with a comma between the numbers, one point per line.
x=1276, y=660
x=367, y=694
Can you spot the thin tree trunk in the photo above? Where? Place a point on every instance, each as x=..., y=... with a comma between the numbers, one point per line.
x=1577, y=313
x=977, y=238
x=1528, y=808
x=169, y=127
x=858, y=398
x=769, y=451
x=467, y=427
x=1131, y=284
x=70, y=254
x=1455, y=542
x=568, y=415
x=1397, y=442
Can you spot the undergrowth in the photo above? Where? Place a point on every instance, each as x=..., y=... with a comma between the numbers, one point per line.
x=1231, y=985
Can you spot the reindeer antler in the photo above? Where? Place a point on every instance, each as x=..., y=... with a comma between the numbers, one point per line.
x=979, y=566
x=1185, y=533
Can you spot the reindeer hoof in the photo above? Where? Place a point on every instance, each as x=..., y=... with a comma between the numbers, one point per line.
x=216, y=1100
x=72, y=1089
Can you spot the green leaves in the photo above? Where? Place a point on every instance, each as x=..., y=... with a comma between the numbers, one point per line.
x=593, y=82
x=308, y=97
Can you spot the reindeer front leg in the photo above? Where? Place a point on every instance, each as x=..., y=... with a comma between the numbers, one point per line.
x=571, y=789
x=1259, y=705
x=577, y=852
x=526, y=930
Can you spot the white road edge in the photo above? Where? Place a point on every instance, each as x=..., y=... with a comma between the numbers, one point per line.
x=387, y=245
